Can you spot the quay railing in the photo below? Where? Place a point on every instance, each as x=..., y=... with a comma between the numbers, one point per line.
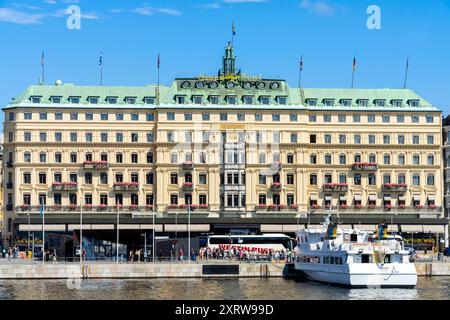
x=375, y=209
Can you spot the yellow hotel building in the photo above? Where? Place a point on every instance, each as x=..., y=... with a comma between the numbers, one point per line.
x=245, y=152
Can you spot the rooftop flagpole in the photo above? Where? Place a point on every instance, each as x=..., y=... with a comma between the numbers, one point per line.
x=100, y=63
x=233, y=33
x=406, y=72
x=42, y=69
x=300, y=74
x=158, y=64
x=354, y=69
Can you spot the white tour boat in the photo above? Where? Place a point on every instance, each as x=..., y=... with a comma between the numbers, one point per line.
x=354, y=258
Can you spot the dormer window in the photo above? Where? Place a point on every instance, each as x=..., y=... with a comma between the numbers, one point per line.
x=130, y=100
x=36, y=99
x=180, y=99
x=248, y=99
x=311, y=102
x=363, y=102
x=328, y=102
x=214, y=99
x=55, y=99
x=93, y=100
x=346, y=102
x=413, y=103
x=75, y=100
x=231, y=99
x=149, y=100
x=264, y=100
x=197, y=99
x=282, y=100
x=397, y=103
x=111, y=100
x=380, y=102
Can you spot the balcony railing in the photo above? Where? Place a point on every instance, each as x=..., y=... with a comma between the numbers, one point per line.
x=276, y=187
x=335, y=187
x=126, y=186
x=370, y=209
x=395, y=187
x=64, y=186
x=188, y=165
x=185, y=207
x=86, y=208
x=275, y=207
x=95, y=165
x=188, y=186
x=365, y=166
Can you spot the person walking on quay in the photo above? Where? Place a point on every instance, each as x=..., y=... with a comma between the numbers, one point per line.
x=131, y=256
x=138, y=255
x=181, y=254
x=54, y=256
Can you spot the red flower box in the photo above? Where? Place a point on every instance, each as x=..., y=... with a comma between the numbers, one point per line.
x=173, y=206
x=388, y=206
x=358, y=206
x=343, y=206
x=203, y=206
x=149, y=207
x=25, y=206
x=87, y=206
x=401, y=206
x=315, y=206
x=371, y=206
x=282, y=206
x=133, y=207
x=418, y=206
x=102, y=206
x=432, y=206
x=293, y=206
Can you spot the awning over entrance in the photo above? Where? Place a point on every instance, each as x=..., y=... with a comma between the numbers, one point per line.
x=184, y=227
x=38, y=227
x=313, y=197
x=342, y=198
x=402, y=198
x=365, y=227
x=372, y=197
x=433, y=229
x=387, y=198
x=328, y=198
x=412, y=228
x=431, y=197
x=358, y=197
x=416, y=197
x=282, y=228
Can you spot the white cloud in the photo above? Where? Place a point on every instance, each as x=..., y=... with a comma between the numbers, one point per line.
x=25, y=6
x=211, y=6
x=318, y=7
x=146, y=11
x=90, y=16
x=116, y=10
x=19, y=17
x=245, y=1
x=169, y=12
x=50, y=1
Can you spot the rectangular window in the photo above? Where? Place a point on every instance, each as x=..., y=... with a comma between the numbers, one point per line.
x=88, y=136
x=400, y=118
x=371, y=139
x=312, y=118
x=371, y=118
x=170, y=116
x=223, y=117
x=416, y=139
x=188, y=117
x=149, y=100
x=248, y=100
x=27, y=136
x=134, y=137
x=327, y=138
x=74, y=116
x=89, y=116
x=104, y=116
x=42, y=115
x=386, y=118
x=258, y=117
x=119, y=116
x=214, y=99
x=197, y=99
x=93, y=100
x=27, y=115
x=265, y=100
x=430, y=119
x=415, y=119
x=73, y=137
x=342, y=118
x=111, y=100
x=357, y=139
x=104, y=137
x=206, y=116
x=150, y=137
x=294, y=138
x=342, y=138
x=240, y=117
x=36, y=99
x=282, y=100
x=276, y=117
x=42, y=136
x=135, y=116
x=327, y=118
x=386, y=139
x=356, y=118
x=231, y=99
x=293, y=117
x=119, y=137
x=150, y=117
x=130, y=100
x=430, y=139
x=401, y=139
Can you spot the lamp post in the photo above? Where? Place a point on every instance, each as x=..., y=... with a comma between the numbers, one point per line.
x=117, y=227
x=28, y=240
x=81, y=234
x=154, y=230
x=189, y=230
x=145, y=245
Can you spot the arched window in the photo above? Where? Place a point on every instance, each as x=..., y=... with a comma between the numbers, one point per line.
x=262, y=158
x=357, y=157
x=134, y=157
x=290, y=158
x=73, y=157
x=401, y=159
x=58, y=157
x=372, y=158
x=342, y=158
x=88, y=156
x=149, y=157
x=42, y=157
x=276, y=157
x=430, y=159
x=328, y=158
x=173, y=157
x=27, y=157
x=202, y=157
x=313, y=158
x=416, y=159
x=387, y=158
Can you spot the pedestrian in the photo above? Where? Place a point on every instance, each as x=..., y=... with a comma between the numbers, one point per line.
x=138, y=255
x=54, y=256
x=181, y=254
x=131, y=256
x=84, y=255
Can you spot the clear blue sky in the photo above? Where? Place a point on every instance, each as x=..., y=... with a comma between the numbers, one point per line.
x=191, y=35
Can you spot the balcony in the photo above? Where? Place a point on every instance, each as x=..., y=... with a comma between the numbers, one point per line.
x=276, y=211
x=276, y=166
x=126, y=186
x=187, y=186
x=275, y=187
x=96, y=165
x=373, y=209
x=183, y=208
x=365, y=166
x=64, y=186
x=335, y=187
x=56, y=208
x=188, y=165
x=395, y=187
x=9, y=185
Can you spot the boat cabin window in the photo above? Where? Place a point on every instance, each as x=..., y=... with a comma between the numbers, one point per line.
x=365, y=258
x=387, y=258
x=353, y=237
